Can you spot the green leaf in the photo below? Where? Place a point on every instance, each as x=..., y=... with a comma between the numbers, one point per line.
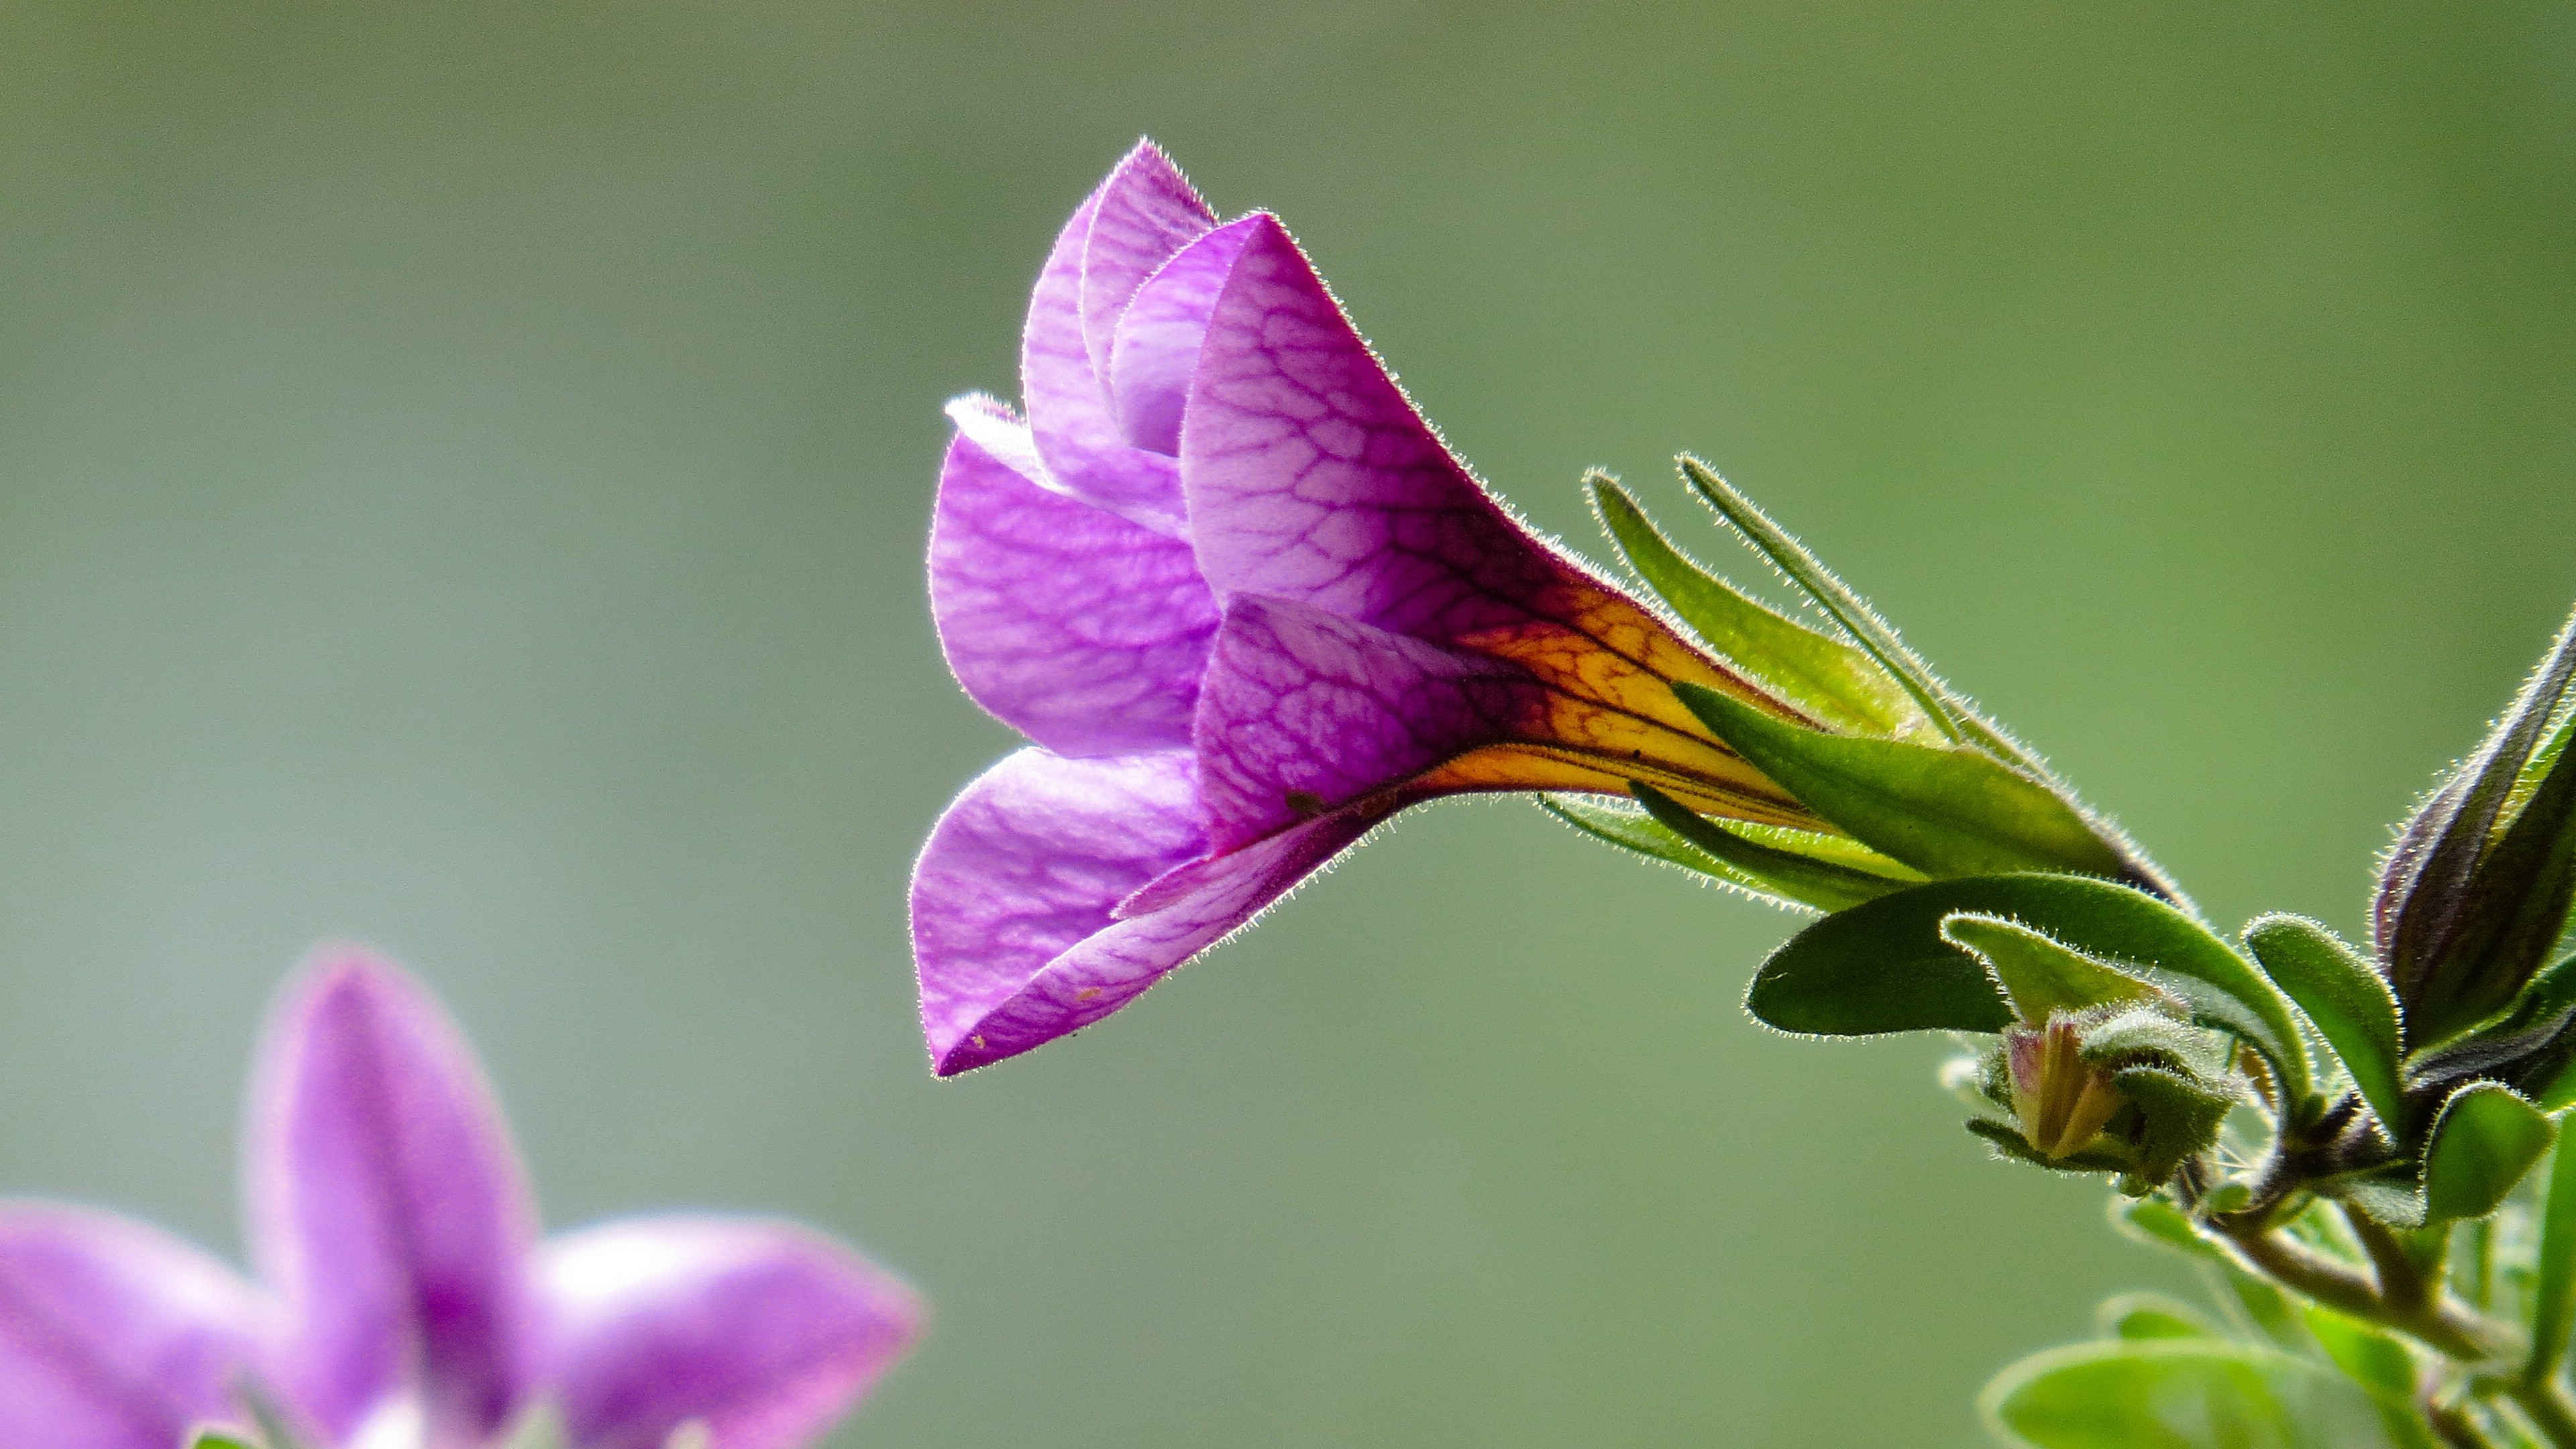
x=2483, y=1142
x=2553, y=1291
x=2038, y=975
x=1840, y=685
x=1821, y=872
x=2347, y=1000
x=2151, y=1315
x=1943, y=810
x=2370, y=1357
x=1884, y=967
x=2193, y=1393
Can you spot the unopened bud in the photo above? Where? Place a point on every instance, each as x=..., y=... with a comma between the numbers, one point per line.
x=2062, y=1102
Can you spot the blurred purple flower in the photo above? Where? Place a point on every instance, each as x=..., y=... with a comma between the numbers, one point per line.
x=1247, y=605
x=407, y=1303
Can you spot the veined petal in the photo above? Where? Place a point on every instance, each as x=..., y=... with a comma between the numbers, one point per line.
x=1146, y=212
x=1304, y=712
x=764, y=1333
x=1026, y=866
x=114, y=1335
x=1081, y=630
x=386, y=1205
x=1068, y=400
x=1157, y=346
x=1310, y=476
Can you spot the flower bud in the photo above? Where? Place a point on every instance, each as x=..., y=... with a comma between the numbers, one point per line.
x=2062, y=1101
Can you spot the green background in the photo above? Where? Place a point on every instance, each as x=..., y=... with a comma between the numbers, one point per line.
x=462, y=478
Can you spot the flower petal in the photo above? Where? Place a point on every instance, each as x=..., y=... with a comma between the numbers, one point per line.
x=1025, y=867
x=114, y=1335
x=1303, y=711
x=763, y=1332
x=1072, y=625
x=1068, y=401
x=1146, y=211
x=387, y=1205
x=1159, y=336
x=1311, y=477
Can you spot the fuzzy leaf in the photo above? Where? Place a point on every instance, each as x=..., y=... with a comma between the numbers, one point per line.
x=2038, y=975
x=2553, y=1291
x=2193, y=1393
x=2483, y=1142
x=2349, y=1003
x=1943, y=810
x=1884, y=967
x=2151, y=1315
x=1819, y=880
x=1842, y=686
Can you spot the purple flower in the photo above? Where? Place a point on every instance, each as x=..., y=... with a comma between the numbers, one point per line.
x=407, y=1303
x=1247, y=606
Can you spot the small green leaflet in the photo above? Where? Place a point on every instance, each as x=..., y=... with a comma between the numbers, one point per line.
x=2345, y=998
x=2190, y=1393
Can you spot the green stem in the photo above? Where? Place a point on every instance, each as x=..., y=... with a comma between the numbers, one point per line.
x=2442, y=1323
x=2546, y=1404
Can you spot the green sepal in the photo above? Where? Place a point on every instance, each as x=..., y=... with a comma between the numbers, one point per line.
x=2146, y=1036
x=2347, y=1000
x=541, y=1426
x=216, y=1439
x=1838, y=684
x=2553, y=1289
x=1884, y=966
x=1813, y=869
x=1836, y=598
x=1945, y=810
x=2008, y=1140
x=2038, y=975
x=2190, y=1393
x=2151, y=1315
x=1822, y=882
x=2178, y=1116
x=2157, y=1223
x=2370, y=1357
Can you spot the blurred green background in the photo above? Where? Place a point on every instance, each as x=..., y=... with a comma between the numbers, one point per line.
x=462, y=478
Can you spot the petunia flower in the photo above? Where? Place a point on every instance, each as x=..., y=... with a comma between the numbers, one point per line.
x=1246, y=605
x=405, y=1301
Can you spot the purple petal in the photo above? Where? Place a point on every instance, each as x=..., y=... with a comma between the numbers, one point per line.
x=1303, y=711
x=1068, y=401
x=1146, y=211
x=1072, y=625
x=387, y=1206
x=114, y=1335
x=763, y=1332
x=1311, y=477
x=1023, y=870
x=1157, y=347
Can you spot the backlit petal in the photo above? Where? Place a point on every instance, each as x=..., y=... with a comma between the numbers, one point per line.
x=1081, y=630
x=386, y=1206
x=114, y=1335
x=763, y=1333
